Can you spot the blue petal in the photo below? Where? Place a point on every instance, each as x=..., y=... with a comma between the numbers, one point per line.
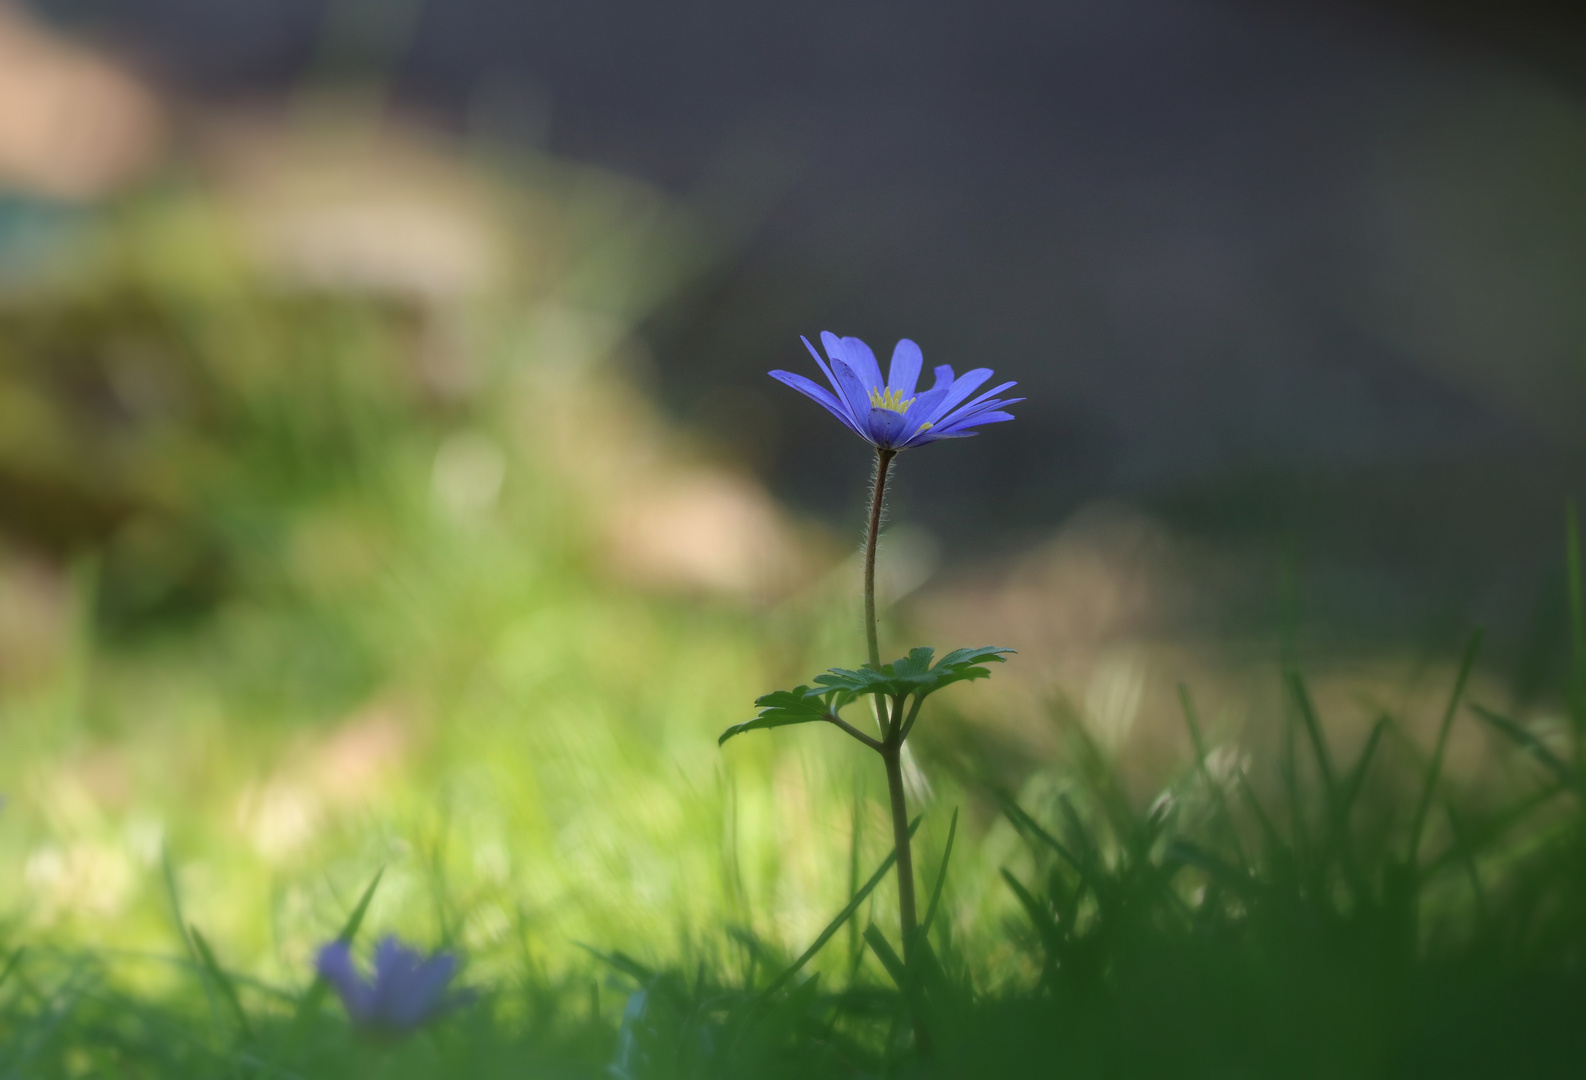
x=942, y=412
x=863, y=361
x=394, y=965
x=904, y=373
x=820, y=395
x=854, y=391
x=334, y=965
x=808, y=387
x=857, y=407
x=920, y=413
x=886, y=427
x=967, y=416
x=391, y=958
x=421, y=994
x=962, y=387
x=925, y=405
x=949, y=430
x=834, y=346
x=983, y=398
x=961, y=419
x=858, y=404
x=979, y=406
x=821, y=363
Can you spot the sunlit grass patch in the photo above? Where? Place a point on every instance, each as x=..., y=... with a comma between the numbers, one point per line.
x=373, y=603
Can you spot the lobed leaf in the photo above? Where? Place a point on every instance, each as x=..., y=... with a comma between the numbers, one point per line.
x=801, y=705
x=913, y=674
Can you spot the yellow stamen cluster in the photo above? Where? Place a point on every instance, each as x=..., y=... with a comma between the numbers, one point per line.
x=892, y=399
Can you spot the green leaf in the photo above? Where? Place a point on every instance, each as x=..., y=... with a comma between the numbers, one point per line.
x=913, y=674
x=801, y=705
x=984, y=654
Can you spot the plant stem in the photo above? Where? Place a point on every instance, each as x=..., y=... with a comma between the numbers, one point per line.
x=892, y=754
x=878, y=494
x=891, y=727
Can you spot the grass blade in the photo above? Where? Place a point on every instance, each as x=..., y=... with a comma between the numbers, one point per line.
x=888, y=956
x=941, y=879
x=1270, y=831
x=630, y=967
x=1357, y=775
x=1577, y=634
x=319, y=988
x=1024, y=821
x=1435, y=767
x=1040, y=918
x=1491, y=830
x=175, y=898
x=350, y=928
x=1527, y=741
x=836, y=924
x=1289, y=774
x=854, y=836
x=1313, y=730
x=1218, y=797
x=11, y=964
x=1092, y=850
x=1189, y=854
x=1466, y=856
x=228, y=989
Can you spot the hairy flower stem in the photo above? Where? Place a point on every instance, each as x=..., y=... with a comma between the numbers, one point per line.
x=891, y=720
x=878, y=495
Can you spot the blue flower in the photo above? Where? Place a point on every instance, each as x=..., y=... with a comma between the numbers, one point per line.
x=890, y=415
x=406, y=991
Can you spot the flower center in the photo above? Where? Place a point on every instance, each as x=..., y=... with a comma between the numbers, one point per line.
x=891, y=399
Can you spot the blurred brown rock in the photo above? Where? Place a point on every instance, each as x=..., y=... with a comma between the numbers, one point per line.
x=36, y=619
x=73, y=125
x=352, y=204
x=710, y=531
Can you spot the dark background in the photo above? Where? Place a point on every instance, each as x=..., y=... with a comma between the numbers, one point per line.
x=1292, y=277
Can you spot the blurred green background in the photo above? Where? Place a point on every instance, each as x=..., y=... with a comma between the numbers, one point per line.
x=364, y=504
x=325, y=554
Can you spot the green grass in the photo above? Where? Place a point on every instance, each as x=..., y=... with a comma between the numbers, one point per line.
x=303, y=624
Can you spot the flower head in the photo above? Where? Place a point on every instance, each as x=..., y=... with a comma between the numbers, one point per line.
x=406, y=991
x=892, y=415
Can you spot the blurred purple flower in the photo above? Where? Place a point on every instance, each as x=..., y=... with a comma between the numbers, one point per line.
x=407, y=989
x=890, y=415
